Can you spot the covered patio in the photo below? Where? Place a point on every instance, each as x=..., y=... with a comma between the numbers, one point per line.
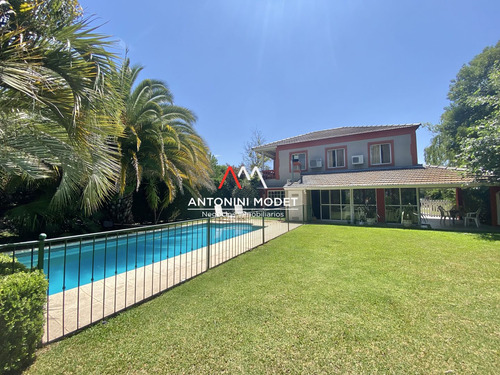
x=458, y=225
x=393, y=197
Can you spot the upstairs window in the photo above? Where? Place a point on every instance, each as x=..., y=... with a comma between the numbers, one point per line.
x=380, y=154
x=336, y=158
x=298, y=157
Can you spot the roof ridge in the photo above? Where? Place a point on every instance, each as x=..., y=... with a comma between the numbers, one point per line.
x=445, y=167
x=338, y=128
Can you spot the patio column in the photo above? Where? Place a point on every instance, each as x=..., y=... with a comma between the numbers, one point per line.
x=419, y=216
x=276, y=167
x=459, y=197
x=381, y=205
x=495, y=205
x=351, y=205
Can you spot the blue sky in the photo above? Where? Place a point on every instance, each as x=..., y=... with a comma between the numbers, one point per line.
x=287, y=67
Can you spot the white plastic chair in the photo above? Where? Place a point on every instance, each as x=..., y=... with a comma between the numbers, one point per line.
x=218, y=211
x=472, y=216
x=238, y=210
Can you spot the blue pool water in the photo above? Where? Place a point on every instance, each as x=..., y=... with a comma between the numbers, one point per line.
x=78, y=264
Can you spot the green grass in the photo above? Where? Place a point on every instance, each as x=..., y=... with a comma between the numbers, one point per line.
x=320, y=299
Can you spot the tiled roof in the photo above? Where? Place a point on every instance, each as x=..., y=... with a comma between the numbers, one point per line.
x=411, y=177
x=331, y=133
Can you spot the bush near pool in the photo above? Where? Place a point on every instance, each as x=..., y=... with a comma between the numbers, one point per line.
x=22, y=298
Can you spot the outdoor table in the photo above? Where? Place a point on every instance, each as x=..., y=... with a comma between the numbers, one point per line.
x=453, y=214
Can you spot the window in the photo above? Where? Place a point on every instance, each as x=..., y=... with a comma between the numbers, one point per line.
x=380, y=154
x=336, y=158
x=276, y=194
x=273, y=194
x=331, y=204
x=396, y=201
x=301, y=158
x=365, y=204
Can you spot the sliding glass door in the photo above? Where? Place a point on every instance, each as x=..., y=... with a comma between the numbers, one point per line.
x=331, y=204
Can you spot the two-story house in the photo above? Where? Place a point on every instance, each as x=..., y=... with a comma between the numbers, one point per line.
x=351, y=173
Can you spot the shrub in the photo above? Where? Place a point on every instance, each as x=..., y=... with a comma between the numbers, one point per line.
x=9, y=265
x=22, y=299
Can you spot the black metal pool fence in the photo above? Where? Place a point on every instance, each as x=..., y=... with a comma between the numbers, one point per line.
x=94, y=276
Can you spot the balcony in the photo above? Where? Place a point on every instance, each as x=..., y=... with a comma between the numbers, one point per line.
x=268, y=174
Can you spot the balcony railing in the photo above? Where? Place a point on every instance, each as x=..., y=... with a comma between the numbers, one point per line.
x=268, y=174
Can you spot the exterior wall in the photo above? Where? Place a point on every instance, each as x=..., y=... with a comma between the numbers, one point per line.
x=402, y=154
x=297, y=213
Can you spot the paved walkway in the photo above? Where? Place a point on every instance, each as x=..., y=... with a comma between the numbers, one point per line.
x=457, y=225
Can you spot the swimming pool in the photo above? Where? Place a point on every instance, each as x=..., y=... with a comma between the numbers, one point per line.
x=78, y=263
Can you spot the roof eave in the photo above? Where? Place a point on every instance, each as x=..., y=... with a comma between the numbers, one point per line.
x=266, y=151
x=296, y=186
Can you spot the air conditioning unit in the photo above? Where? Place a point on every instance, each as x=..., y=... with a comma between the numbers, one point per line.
x=357, y=159
x=316, y=163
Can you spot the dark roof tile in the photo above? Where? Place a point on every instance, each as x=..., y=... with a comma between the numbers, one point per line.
x=412, y=177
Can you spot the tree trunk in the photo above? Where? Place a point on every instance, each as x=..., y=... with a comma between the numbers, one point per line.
x=121, y=209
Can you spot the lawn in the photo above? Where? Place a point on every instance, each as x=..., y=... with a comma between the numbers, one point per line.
x=320, y=299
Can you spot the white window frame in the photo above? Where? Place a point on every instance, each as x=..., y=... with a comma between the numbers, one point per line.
x=379, y=145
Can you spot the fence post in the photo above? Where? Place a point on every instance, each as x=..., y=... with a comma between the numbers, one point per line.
x=263, y=225
x=41, y=250
x=287, y=214
x=208, y=244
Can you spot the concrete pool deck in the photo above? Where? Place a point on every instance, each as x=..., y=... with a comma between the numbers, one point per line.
x=68, y=311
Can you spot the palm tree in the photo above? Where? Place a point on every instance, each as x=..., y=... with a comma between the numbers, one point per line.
x=160, y=147
x=58, y=117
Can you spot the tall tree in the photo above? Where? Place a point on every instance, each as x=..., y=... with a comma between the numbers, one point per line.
x=251, y=158
x=481, y=148
x=58, y=116
x=469, y=132
x=160, y=147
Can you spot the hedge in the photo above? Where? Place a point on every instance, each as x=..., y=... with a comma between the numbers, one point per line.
x=22, y=299
x=9, y=265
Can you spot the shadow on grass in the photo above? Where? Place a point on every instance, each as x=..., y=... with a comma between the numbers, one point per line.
x=488, y=236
